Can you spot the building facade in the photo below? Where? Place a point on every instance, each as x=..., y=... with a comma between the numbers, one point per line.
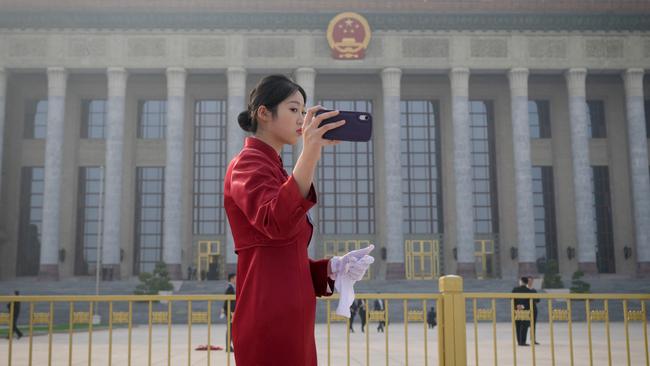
x=503, y=140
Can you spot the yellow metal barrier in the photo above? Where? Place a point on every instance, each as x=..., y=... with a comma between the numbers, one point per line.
x=422, y=259
x=339, y=247
x=580, y=329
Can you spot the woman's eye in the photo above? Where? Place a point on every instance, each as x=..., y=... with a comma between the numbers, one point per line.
x=294, y=110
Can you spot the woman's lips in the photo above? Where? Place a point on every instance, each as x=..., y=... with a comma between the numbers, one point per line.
x=299, y=131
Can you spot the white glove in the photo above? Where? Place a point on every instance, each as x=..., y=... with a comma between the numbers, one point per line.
x=352, y=265
x=347, y=270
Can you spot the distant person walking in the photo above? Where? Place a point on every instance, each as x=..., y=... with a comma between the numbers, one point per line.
x=14, y=320
x=379, y=306
x=534, y=315
x=230, y=290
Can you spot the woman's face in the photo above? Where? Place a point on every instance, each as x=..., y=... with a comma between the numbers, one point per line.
x=286, y=127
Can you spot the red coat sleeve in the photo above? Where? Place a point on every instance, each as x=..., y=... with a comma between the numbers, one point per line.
x=319, y=277
x=272, y=206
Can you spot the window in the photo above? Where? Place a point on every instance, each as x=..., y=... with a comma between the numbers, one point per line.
x=31, y=218
x=420, y=158
x=483, y=167
x=88, y=218
x=605, y=257
x=346, y=181
x=93, y=119
x=539, y=119
x=209, y=166
x=544, y=215
x=596, y=119
x=35, y=119
x=151, y=122
x=149, y=203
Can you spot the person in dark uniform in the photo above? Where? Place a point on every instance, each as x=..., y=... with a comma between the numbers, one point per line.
x=14, y=320
x=522, y=326
x=431, y=317
x=230, y=290
x=353, y=313
x=361, y=308
x=379, y=306
x=535, y=302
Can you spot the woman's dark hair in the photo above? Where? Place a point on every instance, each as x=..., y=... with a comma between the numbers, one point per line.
x=269, y=92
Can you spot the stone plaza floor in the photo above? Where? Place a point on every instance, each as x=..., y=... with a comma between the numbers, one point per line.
x=397, y=346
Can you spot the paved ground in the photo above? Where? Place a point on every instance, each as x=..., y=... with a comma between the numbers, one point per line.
x=376, y=350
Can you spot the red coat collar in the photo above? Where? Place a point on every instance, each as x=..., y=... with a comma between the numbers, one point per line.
x=268, y=150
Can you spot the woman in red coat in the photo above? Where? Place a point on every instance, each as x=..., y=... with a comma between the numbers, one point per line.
x=267, y=210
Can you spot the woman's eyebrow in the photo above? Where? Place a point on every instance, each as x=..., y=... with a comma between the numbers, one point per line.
x=296, y=102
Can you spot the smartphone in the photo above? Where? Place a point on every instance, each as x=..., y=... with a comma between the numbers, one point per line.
x=357, y=127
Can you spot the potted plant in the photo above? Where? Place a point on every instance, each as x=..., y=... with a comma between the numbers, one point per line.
x=578, y=286
x=552, y=281
x=155, y=283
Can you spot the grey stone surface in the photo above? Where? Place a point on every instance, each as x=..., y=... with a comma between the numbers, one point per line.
x=489, y=47
x=604, y=48
x=416, y=47
x=114, y=165
x=173, y=223
x=582, y=174
x=462, y=166
x=523, y=174
x=87, y=47
x=57, y=79
x=393, y=168
x=638, y=154
x=547, y=48
x=146, y=47
x=270, y=47
x=210, y=47
x=3, y=102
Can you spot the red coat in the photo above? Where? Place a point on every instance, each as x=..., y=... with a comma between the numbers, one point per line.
x=277, y=283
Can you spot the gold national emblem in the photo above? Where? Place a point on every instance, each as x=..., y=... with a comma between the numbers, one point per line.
x=348, y=35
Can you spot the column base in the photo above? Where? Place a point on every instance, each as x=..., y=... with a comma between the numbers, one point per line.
x=527, y=269
x=48, y=272
x=588, y=268
x=111, y=272
x=395, y=271
x=466, y=270
x=175, y=272
x=643, y=269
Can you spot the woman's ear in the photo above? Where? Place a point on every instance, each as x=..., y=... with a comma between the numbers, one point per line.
x=263, y=114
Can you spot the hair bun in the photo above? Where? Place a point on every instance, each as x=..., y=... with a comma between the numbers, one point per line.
x=245, y=121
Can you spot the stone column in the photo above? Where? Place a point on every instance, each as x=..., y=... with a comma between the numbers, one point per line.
x=306, y=77
x=236, y=77
x=582, y=174
x=117, y=78
x=638, y=150
x=523, y=175
x=459, y=78
x=394, y=237
x=56, y=85
x=3, y=102
x=173, y=224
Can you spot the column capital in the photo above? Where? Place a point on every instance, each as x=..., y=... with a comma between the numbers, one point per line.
x=176, y=81
x=305, y=72
x=576, y=81
x=236, y=77
x=459, y=78
x=633, y=80
x=391, y=78
x=56, y=81
x=518, y=78
x=117, y=77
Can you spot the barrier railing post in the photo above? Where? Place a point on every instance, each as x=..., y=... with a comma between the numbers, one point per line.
x=453, y=321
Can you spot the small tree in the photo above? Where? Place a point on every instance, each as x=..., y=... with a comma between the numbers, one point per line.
x=578, y=285
x=150, y=283
x=552, y=278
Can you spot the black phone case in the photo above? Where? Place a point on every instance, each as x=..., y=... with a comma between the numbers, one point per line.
x=357, y=127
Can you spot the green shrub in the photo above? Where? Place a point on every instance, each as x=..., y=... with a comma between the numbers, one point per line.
x=578, y=285
x=151, y=283
x=552, y=278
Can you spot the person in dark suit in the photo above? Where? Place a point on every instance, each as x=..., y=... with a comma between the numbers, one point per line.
x=353, y=313
x=378, y=305
x=431, y=317
x=230, y=290
x=535, y=302
x=522, y=326
x=14, y=320
x=361, y=308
